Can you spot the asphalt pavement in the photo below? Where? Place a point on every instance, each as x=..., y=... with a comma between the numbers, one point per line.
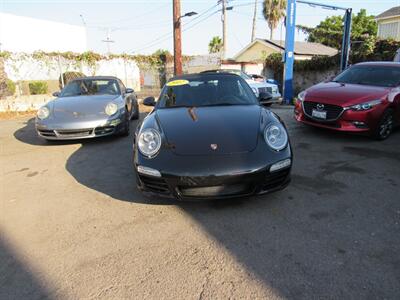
x=73, y=225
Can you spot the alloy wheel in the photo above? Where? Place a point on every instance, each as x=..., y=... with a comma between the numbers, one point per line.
x=386, y=126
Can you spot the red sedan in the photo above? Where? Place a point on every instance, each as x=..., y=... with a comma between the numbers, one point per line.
x=365, y=98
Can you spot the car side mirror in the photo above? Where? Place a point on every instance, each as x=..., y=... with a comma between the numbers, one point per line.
x=264, y=96
x=56, y=94
x=149, y=101
x=129, y=91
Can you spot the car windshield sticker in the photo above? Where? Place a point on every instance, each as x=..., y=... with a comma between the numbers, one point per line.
x=177, y=82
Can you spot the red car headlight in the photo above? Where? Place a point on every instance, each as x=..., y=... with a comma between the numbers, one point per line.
x=364, y=106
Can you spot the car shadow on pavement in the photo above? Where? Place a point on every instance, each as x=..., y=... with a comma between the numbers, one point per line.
x=28, y=135
x=328, y=235
x=18, y=280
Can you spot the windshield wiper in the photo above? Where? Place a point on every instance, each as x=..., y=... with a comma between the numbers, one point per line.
x=222, y=104
x=178, y=106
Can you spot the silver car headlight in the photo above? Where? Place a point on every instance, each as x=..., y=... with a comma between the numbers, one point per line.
x=43, y=113
x=365, y=106
x=149, y=142
x=275, y=136
x=111, y=108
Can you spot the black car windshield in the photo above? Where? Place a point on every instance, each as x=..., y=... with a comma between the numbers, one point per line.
x=91, y=87
x=385, y=76
x=206, y=90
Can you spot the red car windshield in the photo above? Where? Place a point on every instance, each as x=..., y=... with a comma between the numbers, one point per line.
x=385, y=76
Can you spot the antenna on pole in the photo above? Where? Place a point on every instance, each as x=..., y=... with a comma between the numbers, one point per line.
x=83, y=20
x=108, y=40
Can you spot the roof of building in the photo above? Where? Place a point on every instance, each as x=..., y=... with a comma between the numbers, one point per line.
x=392, y=12
x=300, y=48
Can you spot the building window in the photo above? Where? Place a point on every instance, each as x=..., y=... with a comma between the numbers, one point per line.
x=389, y=30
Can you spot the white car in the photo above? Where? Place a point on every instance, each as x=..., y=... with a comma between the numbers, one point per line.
x=256, y=86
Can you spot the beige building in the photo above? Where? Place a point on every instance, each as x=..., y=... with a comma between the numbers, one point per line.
x=389, y=24
x=260, y=49
x=251, y=59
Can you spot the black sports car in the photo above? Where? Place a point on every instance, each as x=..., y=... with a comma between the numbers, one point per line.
x=208, y=137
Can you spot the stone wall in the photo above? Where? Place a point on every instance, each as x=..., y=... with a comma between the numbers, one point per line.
x=304, y=79
x=23, y=103
x=22, y=68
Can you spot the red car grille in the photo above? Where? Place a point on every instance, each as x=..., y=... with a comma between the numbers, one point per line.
x=333, y=112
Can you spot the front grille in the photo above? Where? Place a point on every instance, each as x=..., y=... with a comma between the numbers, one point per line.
x=215, y=191
x=46, y=133
x=275, y=179
x=265, y=90
x=154, y=184
x=74, y=132
x=332, y=111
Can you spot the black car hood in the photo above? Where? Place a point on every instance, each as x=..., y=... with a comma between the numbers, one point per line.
x=196, y=131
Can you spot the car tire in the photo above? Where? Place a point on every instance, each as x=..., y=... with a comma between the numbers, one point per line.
x=385, y=126
x=135, y=111
x=126, y=128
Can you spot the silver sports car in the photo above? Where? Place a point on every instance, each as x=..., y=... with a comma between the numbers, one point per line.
x=88, y=107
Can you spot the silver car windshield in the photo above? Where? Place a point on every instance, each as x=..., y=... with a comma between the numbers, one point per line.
x=91, y=87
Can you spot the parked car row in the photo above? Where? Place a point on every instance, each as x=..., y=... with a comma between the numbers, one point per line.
x=207, y=136
x=210, y=136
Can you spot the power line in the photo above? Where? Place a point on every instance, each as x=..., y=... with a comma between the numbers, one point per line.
x=168, y=35
x=132, y=18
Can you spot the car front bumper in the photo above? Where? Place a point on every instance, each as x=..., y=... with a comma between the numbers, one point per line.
x=214, y=187
x=213, y=177
x=53, y=130
x=348, y=120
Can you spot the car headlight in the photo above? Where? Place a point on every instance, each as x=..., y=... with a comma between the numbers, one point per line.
x=275, y=136
x=365, y=106
x=43, y=113
x=302, y=96
x=149, y=142
x=255, y=91
x=111, y=108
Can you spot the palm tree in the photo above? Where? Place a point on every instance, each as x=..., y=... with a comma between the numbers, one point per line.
x=215, y=45
x=273, y=11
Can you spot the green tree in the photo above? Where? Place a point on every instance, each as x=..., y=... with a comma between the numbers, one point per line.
x=330, y=31
x=273, y=11
x=215, y=45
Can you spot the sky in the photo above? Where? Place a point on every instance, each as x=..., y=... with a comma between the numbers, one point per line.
x=140, y=26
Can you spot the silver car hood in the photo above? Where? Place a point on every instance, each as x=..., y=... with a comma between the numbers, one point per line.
x=82, y=107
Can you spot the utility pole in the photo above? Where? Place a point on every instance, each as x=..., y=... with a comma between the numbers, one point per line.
x=224, y=37
x=108, y=41
x=177, y=37
x=253, y=31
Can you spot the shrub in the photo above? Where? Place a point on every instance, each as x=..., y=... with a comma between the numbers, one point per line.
x=38, y=87
x=69, y=76
x=11, y=87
